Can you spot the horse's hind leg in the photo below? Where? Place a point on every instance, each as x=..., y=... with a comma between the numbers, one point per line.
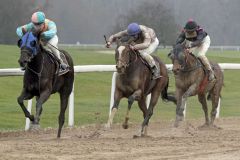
x=203, y=101
x=131, y=99
x=61, y=118
x=215, y=95
x=25, y=96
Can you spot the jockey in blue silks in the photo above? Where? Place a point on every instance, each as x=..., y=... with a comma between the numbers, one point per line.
x=149, y=45
x=48, y=34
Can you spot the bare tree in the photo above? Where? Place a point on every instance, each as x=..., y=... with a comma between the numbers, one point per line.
x=154, y=15
x=13, y=14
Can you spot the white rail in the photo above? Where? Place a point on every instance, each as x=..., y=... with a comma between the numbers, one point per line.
x=92, y=68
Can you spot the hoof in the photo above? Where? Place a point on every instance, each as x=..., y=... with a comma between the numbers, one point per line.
x=136, y=136
x=141, y=136
x=178, y=120
x=107, y=127
x=34, y=127
x=125, y=126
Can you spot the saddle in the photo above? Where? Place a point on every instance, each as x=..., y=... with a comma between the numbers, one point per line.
x=205, y=85
x=57, y=62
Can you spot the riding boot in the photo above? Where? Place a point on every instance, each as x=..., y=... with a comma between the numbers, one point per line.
x=154, y=67
x=155, y=72
x=63, y=66
x=211, y=76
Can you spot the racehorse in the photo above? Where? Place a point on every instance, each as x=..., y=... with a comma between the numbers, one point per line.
x=133, y=81
x=41, y=78
x=191, y=79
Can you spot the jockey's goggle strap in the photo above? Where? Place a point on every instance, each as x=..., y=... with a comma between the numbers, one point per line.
x=37, y=24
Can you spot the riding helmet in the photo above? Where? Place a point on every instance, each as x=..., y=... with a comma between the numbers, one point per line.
x=191, y=26
x=38, y=18
x=133, y=29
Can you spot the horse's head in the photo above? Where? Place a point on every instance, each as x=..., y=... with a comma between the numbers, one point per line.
x=181, y=58
x=29, y=48
x=122, y=57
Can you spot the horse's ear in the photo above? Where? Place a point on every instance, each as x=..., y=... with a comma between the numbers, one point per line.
x=170, y=54
x=19, y=43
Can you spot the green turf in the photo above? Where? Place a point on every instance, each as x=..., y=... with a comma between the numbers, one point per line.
x=92, y=92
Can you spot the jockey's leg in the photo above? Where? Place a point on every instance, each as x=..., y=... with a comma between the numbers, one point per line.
x=208, y=67
x=201, y=54
x=52, y=45
x=145, y=53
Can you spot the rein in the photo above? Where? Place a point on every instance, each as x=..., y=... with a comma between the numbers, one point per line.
x=190, y=69
x=39, y=74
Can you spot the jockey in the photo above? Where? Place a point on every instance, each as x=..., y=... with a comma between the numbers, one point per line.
x=149, y=45
x=47, y=30
x=197, y=42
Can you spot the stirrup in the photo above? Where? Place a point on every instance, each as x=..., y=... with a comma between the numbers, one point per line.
x=63, y=66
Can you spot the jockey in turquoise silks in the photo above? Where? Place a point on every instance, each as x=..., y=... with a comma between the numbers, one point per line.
x=48, y=34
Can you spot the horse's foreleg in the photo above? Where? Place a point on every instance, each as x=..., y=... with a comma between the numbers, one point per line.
x=179, y=108
x=25, y=96
x=42, y=98
x=117, y=97
x=61, y=118
x=131, y=99
x=203, y=101
x=182, y=99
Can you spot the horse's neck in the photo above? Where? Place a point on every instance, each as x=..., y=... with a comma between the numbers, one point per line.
x=192, y=61
x=135, y=65
x=37, y=62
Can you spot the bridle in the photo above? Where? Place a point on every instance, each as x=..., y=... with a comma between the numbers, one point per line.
x=126, y=64
x=185, y=67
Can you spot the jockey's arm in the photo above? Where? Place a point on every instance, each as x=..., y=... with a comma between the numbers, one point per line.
x=23, y=29
x=113, y=37
x=51, y=32
x=181, y=38
x=199, y=39
x=146, y=43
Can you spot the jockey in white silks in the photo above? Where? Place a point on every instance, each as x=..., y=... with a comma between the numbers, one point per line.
x=149, y=45
x=197, y=41
x=48, y=34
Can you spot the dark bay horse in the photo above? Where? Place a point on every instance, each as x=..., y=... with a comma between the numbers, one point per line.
x=134, y=82
x=191, y=80
x=41, y=78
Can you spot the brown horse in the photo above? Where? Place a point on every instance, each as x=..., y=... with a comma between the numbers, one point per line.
x=191, y=79
x=134, y=82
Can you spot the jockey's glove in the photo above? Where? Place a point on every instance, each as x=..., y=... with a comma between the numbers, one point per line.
x=108, y=44
x=189, y=45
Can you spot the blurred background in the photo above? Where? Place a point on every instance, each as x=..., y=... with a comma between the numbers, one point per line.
x=86, y=21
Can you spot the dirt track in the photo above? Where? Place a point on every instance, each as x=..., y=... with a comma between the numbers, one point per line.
x=165, y=142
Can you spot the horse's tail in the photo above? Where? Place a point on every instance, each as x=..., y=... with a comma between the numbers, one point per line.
x=168, y=96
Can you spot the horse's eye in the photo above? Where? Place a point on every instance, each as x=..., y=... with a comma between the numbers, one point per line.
x=33, y=43
x=19, y=43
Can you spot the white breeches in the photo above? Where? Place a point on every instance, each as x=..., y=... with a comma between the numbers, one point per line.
x=145, y=53
x=53, y=46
